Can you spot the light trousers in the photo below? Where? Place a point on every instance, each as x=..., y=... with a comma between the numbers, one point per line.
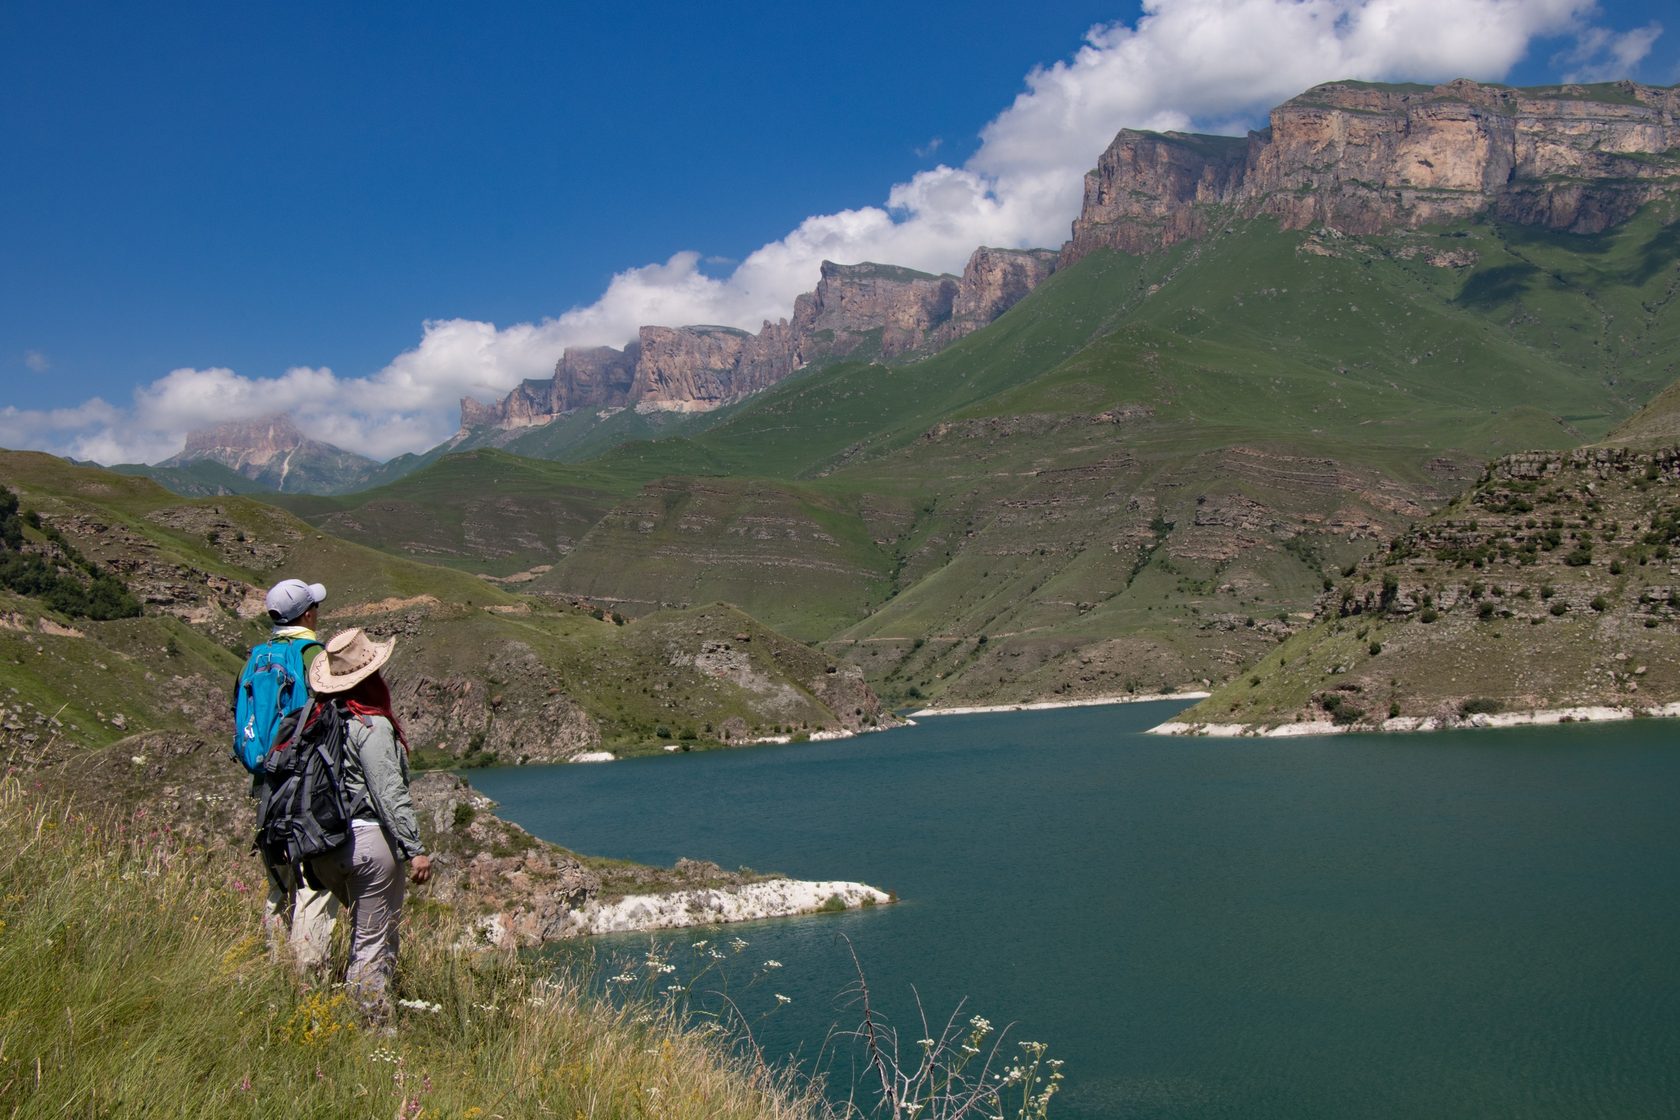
x=301, y=918
x=366, y=876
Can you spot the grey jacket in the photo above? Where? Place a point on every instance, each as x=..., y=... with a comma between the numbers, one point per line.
x=376, y=776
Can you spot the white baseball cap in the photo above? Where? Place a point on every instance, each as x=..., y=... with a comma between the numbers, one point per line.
x=288, y=599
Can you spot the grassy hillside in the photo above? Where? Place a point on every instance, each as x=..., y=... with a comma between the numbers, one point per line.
x=1552, y=584
x=1141, y=475
x=479, y=671
x=136, y=984
x=203, y=478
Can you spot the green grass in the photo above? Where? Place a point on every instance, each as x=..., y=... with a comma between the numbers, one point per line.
x=134, y=983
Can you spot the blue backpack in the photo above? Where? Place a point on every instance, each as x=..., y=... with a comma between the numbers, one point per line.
x=271, y=687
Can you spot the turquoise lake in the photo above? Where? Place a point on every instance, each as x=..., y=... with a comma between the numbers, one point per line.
x=1461, y=924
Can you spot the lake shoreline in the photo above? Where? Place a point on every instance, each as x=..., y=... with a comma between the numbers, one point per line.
x=1052, y=705
x=1537, y=717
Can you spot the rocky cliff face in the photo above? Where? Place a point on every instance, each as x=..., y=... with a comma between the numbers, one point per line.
x=531, y=403
x=864, y=311
x=994, y=281
x=1363, y=159
x=871, y=310
x=273, y=453
x=686, y=369
x=1355, y=157
x=593, y=377
x=1151, y=190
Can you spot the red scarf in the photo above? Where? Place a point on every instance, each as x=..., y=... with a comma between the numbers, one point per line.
x=372, y=697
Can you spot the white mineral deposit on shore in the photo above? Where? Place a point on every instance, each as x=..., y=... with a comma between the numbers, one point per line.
x=1048, y=705
x=1536, y=717
x=595, y=756
x=772, y=898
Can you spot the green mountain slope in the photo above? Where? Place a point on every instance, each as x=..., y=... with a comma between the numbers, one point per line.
x=1140, y=475
x=1550, y=585
x=479, y=671
x=203, y=478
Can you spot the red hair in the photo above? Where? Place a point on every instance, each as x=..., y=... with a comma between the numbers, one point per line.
x=371, y=696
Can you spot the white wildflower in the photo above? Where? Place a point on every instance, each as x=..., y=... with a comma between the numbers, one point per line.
x=420, y=1005
x=772, y=964
x=780, y=998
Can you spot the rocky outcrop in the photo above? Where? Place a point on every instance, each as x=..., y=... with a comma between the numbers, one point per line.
x=593, y=377
x=494, y=872
x=1151, y=190
x=274, y=453
x=525, y=718
x=1362, y=159
x=686, y=369
x=1547, y=592
x=531, y=403
x=993, y=281
x=870, y=312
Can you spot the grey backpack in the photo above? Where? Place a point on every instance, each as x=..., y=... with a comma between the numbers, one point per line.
x=303, y=811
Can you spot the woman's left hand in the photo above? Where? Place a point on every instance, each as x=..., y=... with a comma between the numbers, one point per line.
x=420, y=867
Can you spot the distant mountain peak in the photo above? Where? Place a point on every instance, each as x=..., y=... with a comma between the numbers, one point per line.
x=259, y=439
x=273, y=452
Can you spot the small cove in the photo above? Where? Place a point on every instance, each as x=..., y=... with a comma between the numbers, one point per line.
x=1453, y=924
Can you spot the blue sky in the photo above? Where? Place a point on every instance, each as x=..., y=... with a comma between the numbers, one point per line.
x=359, y=213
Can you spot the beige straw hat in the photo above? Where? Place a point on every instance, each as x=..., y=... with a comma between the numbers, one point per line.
x=349, y=658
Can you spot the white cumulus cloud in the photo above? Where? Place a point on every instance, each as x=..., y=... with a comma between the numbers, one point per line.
x=1206, y=65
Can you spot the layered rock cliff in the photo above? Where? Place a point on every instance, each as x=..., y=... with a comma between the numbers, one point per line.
x=1355, y=157
x=993, y=281
x=1363, y=159
x=863, y=312
x=871, y=310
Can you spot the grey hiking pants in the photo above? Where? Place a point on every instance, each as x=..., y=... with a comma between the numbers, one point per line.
x=366, y=876
x=300, y=917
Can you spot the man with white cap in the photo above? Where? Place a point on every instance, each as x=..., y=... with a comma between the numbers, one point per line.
x=306, y=913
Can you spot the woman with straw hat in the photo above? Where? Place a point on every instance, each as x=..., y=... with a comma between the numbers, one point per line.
x=366, y=873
